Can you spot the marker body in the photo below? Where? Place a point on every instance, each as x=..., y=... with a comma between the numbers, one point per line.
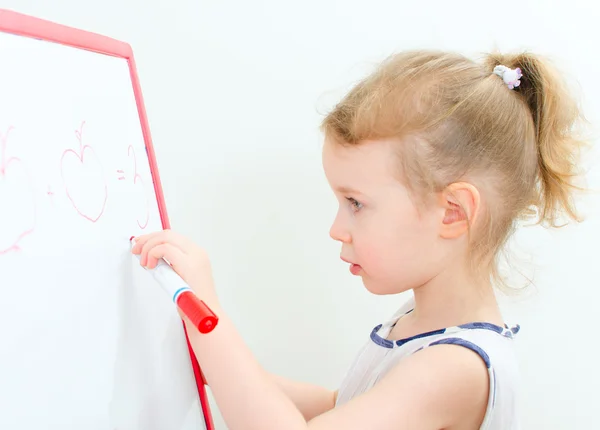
x=182, y=295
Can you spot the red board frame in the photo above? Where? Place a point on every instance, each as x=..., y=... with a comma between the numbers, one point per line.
x=28, y=26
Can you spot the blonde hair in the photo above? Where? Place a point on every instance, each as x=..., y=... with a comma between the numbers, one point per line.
x=456, y=120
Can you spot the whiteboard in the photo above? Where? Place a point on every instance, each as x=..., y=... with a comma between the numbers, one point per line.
x=89, y=341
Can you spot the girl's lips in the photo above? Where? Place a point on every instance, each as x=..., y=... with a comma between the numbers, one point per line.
x=355, y=269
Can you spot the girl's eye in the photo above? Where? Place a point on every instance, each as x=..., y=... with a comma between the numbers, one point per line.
x=355, y=204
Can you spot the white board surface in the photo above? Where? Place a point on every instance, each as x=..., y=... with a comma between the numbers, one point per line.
x=89, y=341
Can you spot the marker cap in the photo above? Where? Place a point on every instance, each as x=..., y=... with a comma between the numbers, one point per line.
x=198, y=312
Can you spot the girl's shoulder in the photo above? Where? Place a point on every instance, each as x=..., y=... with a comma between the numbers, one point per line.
x=495, y=347
x=440, y=386
x=472, y=355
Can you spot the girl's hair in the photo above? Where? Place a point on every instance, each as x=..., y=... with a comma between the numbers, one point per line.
x=455, y=120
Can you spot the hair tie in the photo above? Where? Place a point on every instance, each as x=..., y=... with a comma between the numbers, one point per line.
x=509, y=76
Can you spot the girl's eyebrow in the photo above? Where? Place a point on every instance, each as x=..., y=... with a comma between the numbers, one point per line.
x=348, y=190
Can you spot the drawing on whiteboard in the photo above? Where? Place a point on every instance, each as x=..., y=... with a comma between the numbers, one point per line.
x=17, y=199
x=84, y=181
x=50, y=194
x=142, y=204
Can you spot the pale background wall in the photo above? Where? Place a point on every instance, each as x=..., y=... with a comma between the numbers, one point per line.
x=235, y=92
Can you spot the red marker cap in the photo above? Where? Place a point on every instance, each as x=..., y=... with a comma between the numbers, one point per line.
x=198, y=312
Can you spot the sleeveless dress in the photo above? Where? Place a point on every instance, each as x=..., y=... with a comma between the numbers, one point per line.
x=494, y=344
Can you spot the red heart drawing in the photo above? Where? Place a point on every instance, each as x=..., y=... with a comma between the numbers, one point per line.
x=84, y=180
x=17, y=200
x=142, y=204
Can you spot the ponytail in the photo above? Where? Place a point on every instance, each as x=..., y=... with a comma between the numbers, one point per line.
x=556, y=117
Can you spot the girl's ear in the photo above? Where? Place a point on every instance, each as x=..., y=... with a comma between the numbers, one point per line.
x=460, y=203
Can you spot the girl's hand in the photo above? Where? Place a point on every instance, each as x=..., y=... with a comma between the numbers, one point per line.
x=187, y=259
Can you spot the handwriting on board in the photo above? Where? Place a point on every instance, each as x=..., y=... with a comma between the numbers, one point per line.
x=84, y=180
x=85, y=186
x=141, y=202
x=17, y=200
x=131, y=178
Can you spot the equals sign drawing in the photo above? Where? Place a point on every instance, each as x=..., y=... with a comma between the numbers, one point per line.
x=121, y=173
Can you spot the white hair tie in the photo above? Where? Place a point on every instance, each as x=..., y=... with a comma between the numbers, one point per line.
x=509, y=76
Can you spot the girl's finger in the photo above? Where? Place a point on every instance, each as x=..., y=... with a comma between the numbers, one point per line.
x=165, y=236
x=174, y=255
x=141, y=240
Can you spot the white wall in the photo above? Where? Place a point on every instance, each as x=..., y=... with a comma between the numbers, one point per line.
x=233, y=92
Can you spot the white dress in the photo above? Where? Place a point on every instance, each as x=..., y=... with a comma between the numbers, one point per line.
x=494, y=344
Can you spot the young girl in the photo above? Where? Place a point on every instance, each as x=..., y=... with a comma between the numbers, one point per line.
x=433, y=159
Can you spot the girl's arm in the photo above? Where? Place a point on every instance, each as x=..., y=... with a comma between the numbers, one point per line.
x=435, y=388
x=311, y=400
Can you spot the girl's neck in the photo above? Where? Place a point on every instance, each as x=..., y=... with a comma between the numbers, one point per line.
x=449, y=300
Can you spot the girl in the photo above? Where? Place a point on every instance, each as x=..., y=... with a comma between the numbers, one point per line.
x=433, y=159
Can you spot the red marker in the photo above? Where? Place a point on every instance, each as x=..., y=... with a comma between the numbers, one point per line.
x=195, y=309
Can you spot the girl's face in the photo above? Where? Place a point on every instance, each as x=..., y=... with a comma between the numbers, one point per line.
x=390, y=244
